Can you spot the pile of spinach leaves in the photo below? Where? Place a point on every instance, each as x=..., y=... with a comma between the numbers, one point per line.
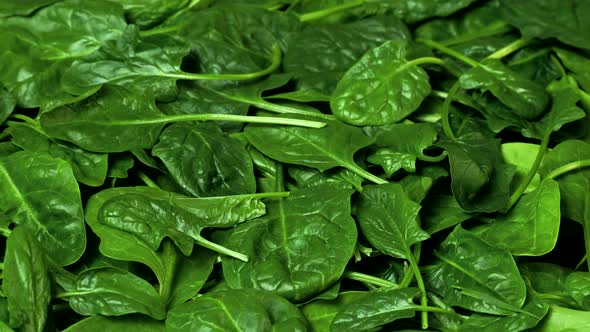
x=304, y=165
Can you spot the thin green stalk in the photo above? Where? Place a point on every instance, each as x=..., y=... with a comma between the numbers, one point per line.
x=443, y=49
x=424, y=298
x=585, y=99
x=268, y=106
x=223, y=117
x=510, y=48
x=26, y=119
x=168, y=251
x=369, y=279
x=433, y=159
x=531, y=174
x=445, y=116
x=530, y=57
x=147, y=180
x=568, y=168
x=559, y=65
x=220, y=249
x=4, y=231
x=1, y=265
x=496, y=28
x=426, y=309
x=431, y=60
x=276, y=62
x=366, y=175
x=319, y=14
x=277, y=194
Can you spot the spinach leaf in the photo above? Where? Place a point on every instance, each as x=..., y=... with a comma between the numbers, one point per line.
x=113, y=324
x=27, y=181
x=381, y=88
x=526, y=98
x=320, y=314
x=473, y=274
x=562, y=319
x=224, y=310
x=550, y=19
x=88, y=167
x=321, y=149
x=536, y=214
x=224, y=166
x=26, y=281
x=113, y=292
x=7, y=104
x=288, y=246
x=376, y=308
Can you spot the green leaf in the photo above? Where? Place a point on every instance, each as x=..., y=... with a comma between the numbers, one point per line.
x=88, y=167
x=299, y=248
x=119, y=165
x=325, y=148
x=548, y=282
x=533, y=311
x=388, y=219
x=417, y=10
x=576, y=63
x=376, y=308
x=522, y=155
x=331, y=49
x=536, y=215
x=320, y=314
x=26, y=281
x=113, y=292
x=101, y=122
x=149, y=66
x=480, y=182
x=559, y=19
x=443, y=212
x=574, y=197
x=400, y=145
x=472, y=274
x=236, y=310
x=562, y=319
x=7, y=104
x=381, y=88
x=115, y=324
x=223, y=166
x=152, y=214
x=577, y=285
x=23, y=8
x=526, y=98
x=190, y=276
x=41, y=193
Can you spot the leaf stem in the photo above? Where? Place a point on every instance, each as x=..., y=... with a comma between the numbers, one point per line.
x=531, y=174
x=510, y=48
x=445, y=114
x=272, y=107
x=493, y=29
x=329, y=11
x=424, y=298
x=169, y=251
x=225, y=117
x=568, y=168
x=448, y=51
x=26, y=119
x=4, y=231
x=369, y=279
x=220, y=249
x=434, y=61
x=433, y=159
x=276, y=62
x=147, y=180
x=426, y=309
x=366, y=175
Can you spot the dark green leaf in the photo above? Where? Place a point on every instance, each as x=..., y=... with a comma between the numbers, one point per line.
x=472, y=274
x=113, y=292
x=236, y=310
x=41, y=193
x=26, y=281
x=222, y=165
x=116, y=324
x=388, y=219
x=299, y=248
x=381, y=88
x=561, y=19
